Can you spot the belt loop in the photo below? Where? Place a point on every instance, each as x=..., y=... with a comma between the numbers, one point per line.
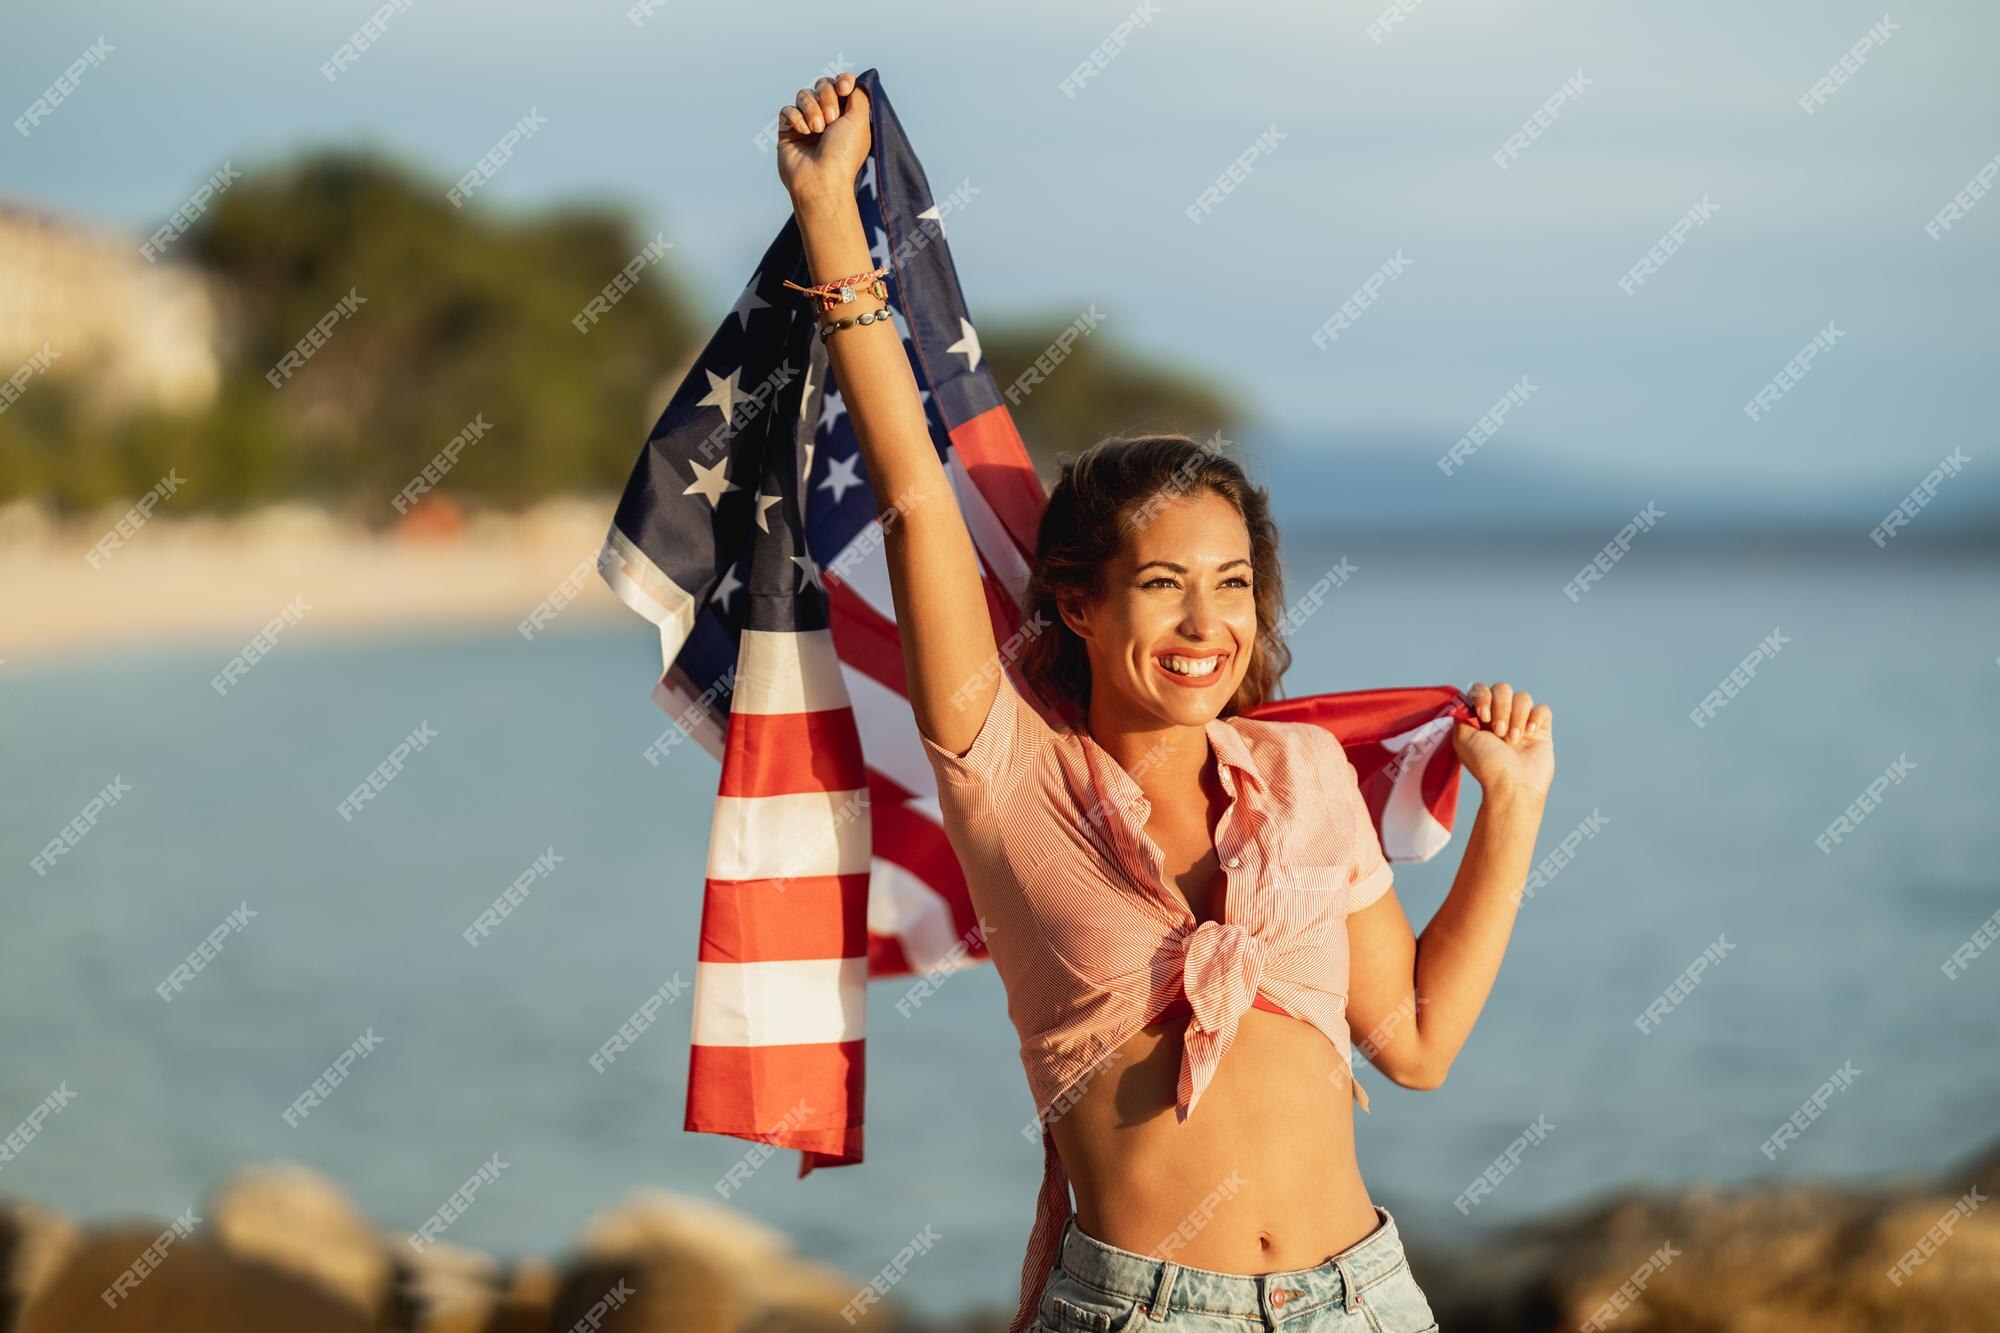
x=1350, y=1300
x=1163, y=1290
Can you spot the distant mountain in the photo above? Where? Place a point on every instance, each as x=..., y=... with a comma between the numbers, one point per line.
x=1383, y=486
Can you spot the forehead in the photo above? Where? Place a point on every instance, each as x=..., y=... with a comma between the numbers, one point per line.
x=1201, y=528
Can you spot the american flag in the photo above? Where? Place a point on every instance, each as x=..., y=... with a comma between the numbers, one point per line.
x=749, y=535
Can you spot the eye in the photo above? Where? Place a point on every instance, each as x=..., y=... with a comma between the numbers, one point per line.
x=1164, y=580
x=1236, y=581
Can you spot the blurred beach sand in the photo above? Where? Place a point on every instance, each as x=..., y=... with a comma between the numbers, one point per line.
x=223, y=579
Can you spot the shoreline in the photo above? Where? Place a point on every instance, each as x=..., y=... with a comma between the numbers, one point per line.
x=212, y=580
x=203, y=579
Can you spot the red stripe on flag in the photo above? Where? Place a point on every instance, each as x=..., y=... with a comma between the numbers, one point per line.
x=886, y=958
x=863, y=638
x=791, y=1096
x=908, y=838
x=783, y=920
x=866, y=640
x=1358, y=717
x=990, y=448
x=1440, y=780
x=777, y=754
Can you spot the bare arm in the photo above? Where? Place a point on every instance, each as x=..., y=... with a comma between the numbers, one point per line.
x=1413, y=1002
x=941, y=612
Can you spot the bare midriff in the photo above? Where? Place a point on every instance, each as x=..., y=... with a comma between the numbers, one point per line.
x=1262, y=1176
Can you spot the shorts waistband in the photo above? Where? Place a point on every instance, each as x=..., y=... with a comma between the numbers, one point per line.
x=1163, y=1286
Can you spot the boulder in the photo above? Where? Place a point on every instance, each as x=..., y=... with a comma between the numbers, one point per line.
x=689, y=1263
x=34, y=1243
x=196, y=1287
x=1752, y=1260
x=291, y=1217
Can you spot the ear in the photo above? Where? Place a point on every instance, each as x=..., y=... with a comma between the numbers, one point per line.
x=1075, y=614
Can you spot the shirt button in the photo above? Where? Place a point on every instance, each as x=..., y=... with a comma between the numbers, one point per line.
x=1233, y=862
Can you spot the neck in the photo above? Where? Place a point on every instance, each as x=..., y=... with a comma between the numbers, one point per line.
x=1159, y=755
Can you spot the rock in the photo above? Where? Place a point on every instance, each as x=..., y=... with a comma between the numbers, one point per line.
x=527, y=1303
x=1752, y=1260
x=446, y=1288
x=688, y=1263
x=34, y=1243
x=281, y=1248
x=195, y=1288
x=295, y=1219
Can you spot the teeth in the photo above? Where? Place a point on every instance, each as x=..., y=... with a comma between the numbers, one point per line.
x=1192, y=666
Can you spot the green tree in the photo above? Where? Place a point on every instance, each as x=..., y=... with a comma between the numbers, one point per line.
x=460, y=315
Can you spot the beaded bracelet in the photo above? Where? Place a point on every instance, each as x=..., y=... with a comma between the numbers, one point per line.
x=827, y=327
x=841, y=290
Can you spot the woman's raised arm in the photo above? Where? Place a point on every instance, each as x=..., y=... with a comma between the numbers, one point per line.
x=948, y=645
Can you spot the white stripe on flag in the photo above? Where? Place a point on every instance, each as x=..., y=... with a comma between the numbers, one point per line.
x=780, y=1004
x=906, y=909
x=889, y=734
x=864, y=567
x=694, y=718
x=791, y=836
x=786, y=671
x=1003, y=559
x=1410, y=832
x=642, y=586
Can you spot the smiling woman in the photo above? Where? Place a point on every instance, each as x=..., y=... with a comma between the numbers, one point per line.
x=1192, y=899
x=1222, y=538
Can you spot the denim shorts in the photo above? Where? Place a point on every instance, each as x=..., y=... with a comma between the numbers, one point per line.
x=1099, y=1288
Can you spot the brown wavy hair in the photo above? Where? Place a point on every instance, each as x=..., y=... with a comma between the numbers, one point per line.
x=1102, y=497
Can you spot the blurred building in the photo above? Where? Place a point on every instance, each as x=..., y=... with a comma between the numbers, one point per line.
x=136, y=334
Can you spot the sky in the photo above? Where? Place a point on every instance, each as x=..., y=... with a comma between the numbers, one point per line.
x=1362, y=147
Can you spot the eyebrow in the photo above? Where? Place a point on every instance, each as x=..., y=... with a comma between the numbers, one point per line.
x=1182, y=569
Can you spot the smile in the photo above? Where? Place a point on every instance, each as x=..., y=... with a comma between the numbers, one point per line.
x=1190, y=668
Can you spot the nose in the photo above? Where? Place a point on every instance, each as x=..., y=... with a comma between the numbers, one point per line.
x=1199, y=621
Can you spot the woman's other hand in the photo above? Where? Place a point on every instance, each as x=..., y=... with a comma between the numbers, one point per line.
x=823, y=138
x=1512, y=751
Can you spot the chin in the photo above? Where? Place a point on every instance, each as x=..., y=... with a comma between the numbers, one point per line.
x=1191, y=712
x=1194, y=708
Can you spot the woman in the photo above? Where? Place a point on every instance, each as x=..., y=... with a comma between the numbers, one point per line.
x=1190, y=910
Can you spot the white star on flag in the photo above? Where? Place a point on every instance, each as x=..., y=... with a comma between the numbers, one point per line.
x=840, y=475
x=748, y=302
x=764, y=503
x=805, y=563
x=830, y=409
x=712, y=483
x=723, y=590
x=722, y=391
x=968, y=346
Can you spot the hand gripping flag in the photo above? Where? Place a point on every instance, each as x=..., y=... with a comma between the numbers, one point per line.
x=749, y=535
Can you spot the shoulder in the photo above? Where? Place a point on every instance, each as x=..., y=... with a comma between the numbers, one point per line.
x=1323, y=816
x=1300, y=761
x=1303, y=744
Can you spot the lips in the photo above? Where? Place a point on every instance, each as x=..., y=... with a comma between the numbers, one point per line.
x=1200, y=661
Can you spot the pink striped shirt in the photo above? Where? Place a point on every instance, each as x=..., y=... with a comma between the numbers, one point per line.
x=1093, y=944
